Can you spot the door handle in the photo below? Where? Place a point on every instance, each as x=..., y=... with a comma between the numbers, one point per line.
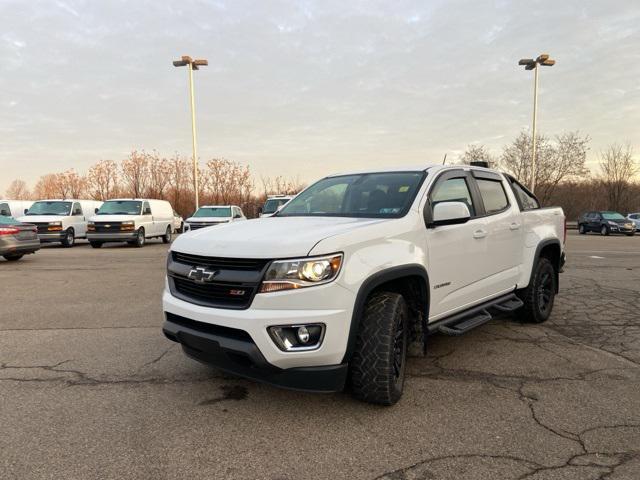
x=479, y=234
x=514, y=226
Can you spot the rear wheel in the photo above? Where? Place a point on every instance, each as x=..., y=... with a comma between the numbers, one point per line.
x=604, y=230
x=377, y=369
x=69, y=238
x=539, y=296
x=12, y=257
x=96, y=244
x=166, y=238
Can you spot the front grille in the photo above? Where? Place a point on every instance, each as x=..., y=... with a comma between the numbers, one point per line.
x=219, y=263
x=106, y=227
x=42, y=227
x=235, y=284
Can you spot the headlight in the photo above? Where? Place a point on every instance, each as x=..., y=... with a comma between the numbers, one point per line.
x=613, y=223
x=128, y=222
x=301, y=273
x=55, y=224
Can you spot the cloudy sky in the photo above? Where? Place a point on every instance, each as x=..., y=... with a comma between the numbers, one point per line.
x=309, y=87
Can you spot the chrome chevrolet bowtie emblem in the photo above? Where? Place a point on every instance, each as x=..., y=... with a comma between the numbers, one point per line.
x=202, y=275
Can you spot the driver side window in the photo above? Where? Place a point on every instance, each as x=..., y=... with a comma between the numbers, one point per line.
x=453, y=190
x=77, y=209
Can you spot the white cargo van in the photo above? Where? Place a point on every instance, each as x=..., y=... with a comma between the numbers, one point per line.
x=61, y=220
x=14, y=208
x=131, y=220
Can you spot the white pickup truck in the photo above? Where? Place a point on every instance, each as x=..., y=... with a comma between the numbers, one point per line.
x=329, y=292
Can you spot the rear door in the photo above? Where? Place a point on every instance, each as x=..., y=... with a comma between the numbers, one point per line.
x=455, y=252
x=504, y=232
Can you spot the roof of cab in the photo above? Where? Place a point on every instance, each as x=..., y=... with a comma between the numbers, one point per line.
x=414, y=168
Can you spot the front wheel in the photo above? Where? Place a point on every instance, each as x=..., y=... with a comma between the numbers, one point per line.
x=166, y=238
x=604, y=230
x=539, y=296
x=377, y=369
x=581, y=229
x=69, y=238
x=12, y=257
x=140, y=240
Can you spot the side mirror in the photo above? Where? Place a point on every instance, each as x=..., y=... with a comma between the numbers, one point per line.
x=5, y=213
x=259, y=210
x=237, y=216
x=450, y=213
x=147, y=211
x=26, y=210
x=95, y=210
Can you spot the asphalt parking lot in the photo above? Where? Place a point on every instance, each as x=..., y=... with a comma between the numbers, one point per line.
x=90, y=388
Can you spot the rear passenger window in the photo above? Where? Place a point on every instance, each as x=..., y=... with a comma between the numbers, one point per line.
x=493, y=195
x=526, y=200
x=453, y=190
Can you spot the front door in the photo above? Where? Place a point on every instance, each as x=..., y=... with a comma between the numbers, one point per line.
x=454, y=250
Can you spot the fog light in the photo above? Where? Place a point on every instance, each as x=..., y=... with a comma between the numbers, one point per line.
x=303, y=334
x=291, y=338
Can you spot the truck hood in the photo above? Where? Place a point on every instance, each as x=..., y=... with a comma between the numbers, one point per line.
x=41, y=218
x=113, y=218
x=275, y=237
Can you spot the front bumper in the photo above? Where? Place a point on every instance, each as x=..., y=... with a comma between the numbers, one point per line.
x=52, y=237
x=111, y=237
x=13, y=245
x=234, y=351
x=621, y=229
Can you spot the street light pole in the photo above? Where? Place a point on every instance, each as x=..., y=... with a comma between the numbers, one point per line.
x=193, y=65
x=531, y=64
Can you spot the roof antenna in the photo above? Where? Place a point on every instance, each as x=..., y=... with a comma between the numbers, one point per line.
x=444, y=160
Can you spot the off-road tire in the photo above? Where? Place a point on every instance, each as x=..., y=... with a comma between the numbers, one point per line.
x=13, y=257
x=69, y=239
x=166, y=238
x=539, y=296
x=375, y=375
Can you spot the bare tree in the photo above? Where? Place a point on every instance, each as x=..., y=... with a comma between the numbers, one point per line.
x=618, y=168
x=135, y=174
x=159, y=173
x=477, y=153
x=556, y=162
x=46, y=187
x=18, y=190
x=102, y=180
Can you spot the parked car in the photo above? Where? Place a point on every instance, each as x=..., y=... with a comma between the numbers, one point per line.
x=14, y=208
x=210, y=215
x=635, y=218
x=330, y=291
x=273, y=204
x=17, y=239
x=61, y=220
x=605, y=222
x=178, y=222
x=131, y=220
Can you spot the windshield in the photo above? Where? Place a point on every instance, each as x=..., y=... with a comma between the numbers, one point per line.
x=375, y=195
x=50, y=208
x=612, y=216
x=4, y=220
x=213, y=212
x=120, y=207
x=271, y=205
